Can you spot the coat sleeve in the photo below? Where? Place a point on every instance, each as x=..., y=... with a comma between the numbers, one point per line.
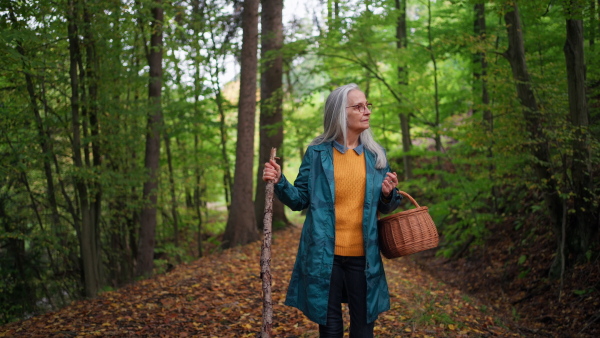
x=296, y=196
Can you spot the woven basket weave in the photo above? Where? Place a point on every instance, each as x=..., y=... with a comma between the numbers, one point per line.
x=407, y=232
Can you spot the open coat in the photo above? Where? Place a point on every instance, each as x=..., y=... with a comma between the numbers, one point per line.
x=314, y=189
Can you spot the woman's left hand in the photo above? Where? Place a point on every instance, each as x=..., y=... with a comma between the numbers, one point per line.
x=389, y=183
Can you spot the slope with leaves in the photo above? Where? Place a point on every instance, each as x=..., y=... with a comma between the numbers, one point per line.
x=220, y=296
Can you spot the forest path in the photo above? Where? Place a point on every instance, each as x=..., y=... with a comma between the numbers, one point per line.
x=220, y=296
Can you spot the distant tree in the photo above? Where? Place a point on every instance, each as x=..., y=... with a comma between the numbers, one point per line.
x=480, y=65
x=89, y=229
x=241, y=223
x=404, y=116
x=583, y=220
x=571, y=230
x=145, y=259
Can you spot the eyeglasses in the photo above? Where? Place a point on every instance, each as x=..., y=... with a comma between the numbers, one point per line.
x=361, y=107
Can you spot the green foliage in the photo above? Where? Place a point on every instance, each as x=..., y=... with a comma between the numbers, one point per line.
x=470, y=173
x=584, y=292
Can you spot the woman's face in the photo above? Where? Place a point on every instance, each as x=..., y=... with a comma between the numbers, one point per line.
x=357, y=121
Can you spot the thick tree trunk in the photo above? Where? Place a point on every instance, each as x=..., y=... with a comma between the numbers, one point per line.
x=145, y=262
x=401, y=43
x=271, y=98
x=583, y=222
x=87, y=238
x=241, y=224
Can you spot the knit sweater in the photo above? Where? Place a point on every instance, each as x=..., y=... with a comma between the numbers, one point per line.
x=349, y=170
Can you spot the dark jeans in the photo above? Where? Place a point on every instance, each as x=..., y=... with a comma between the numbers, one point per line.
x=348, y=273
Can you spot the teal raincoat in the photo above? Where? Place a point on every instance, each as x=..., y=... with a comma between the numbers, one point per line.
x=314, y=189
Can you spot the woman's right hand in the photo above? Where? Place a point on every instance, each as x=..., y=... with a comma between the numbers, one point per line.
x=272, y=172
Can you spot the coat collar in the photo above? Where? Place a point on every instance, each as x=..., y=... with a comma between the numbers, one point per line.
x=342, y=149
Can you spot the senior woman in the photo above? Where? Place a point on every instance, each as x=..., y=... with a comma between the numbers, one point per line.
x=344, y=179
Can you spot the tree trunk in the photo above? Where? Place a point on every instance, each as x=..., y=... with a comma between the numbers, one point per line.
x=145, y=262
x=87, y=238
x=480, y=65
x=241, y=224
x=593, y=19
x=271, y=98
x=329, y=14
x=91, y=73
x=582, y=224
x=401, y=43
x=480, y=88
x=198, y=12
x=219, y=100
x=436, y=93
x=43, y=135
x=515, y=54
x=197, y=201
x=227, y=181
x=172, y=190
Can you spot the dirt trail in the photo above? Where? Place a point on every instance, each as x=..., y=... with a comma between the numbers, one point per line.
x=220, y=296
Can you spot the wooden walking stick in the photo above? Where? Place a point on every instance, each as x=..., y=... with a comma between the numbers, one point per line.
x=265, y=259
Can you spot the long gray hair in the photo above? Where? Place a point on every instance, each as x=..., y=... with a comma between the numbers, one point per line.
x=335, y=124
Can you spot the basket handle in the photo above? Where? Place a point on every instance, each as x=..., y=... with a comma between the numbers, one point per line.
x=412, y=200
x=409, y=197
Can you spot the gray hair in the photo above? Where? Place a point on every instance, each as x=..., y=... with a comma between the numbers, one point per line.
x=335, y=124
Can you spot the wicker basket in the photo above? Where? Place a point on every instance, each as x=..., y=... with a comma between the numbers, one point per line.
x=407, y=232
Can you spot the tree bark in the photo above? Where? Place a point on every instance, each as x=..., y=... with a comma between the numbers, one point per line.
x=241, y=223
x=583, y=222
x=480, y=65
x=227, y=180
x=198, y=13
x=271, y=99
x=92, y=66
x=172, y=189
x=145, y=262
x=436, y=93
x=401, y=44
x=538, y=145
x=87, y=238
x=480, y=88
x=198, y=194
x=593, y=21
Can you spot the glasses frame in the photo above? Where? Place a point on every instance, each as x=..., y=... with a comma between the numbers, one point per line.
x=361, y=107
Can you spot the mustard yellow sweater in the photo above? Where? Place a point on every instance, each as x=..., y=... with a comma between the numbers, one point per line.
x=350, y=173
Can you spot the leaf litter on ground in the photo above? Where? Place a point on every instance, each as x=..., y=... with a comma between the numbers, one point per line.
x=221, y=296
